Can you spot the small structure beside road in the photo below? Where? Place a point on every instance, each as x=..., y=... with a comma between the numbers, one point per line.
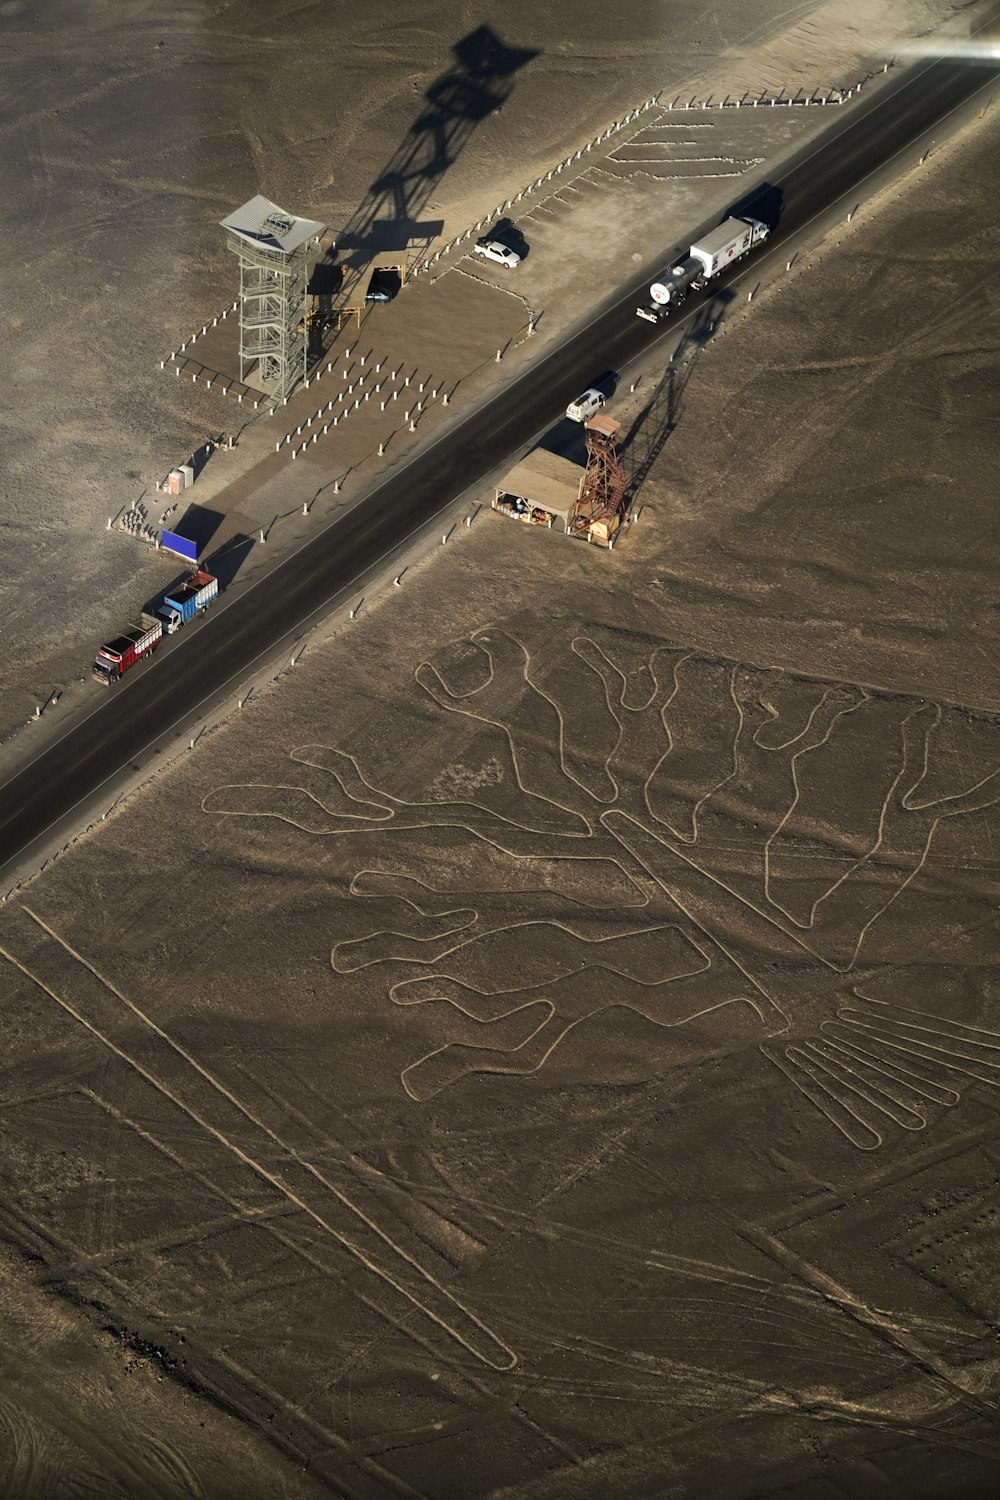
x=592, y=502
x=540, y=489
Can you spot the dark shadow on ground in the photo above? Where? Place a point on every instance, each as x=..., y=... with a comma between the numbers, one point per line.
x=645, y=440
x=567, y=439
x=383, y=285
x=229, y=559
x=327, y=275
x=477, y=84
x=765, y=202
x=198, y=524
x=201, y=456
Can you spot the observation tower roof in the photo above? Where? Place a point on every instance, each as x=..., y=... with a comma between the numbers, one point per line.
x=263, y=223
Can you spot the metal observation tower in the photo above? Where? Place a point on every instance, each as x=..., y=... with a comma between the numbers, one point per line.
x=276, y=251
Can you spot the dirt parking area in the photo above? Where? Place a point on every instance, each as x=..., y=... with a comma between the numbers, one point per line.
x=548, y=1044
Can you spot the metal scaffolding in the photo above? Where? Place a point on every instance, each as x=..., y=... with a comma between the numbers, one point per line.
x=276, y=251
x=602, y=505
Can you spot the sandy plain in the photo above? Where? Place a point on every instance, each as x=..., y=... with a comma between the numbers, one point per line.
x=569, y=1067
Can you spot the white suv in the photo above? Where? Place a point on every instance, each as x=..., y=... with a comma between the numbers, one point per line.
x=584, y=407
x=494, y=250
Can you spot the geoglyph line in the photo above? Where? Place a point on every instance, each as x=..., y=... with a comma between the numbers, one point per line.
x=456, y=1320
x=70, y=1261
x=858, y=1073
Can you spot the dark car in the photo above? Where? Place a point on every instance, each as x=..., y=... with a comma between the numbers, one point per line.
x=383, y=286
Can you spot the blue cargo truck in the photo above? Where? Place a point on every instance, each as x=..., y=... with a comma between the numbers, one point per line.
x=195, y=592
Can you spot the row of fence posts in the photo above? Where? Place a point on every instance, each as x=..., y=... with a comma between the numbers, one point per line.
x=329, y=419
x=193, y=337
x=410, y=415
x=256, y=399
x=555, y=171
x=833, y=95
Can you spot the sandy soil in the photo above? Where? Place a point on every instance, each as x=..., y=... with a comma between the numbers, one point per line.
x=548, y=1044
x=91, y=1408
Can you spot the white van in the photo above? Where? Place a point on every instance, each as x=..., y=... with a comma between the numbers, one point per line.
x=584, y=407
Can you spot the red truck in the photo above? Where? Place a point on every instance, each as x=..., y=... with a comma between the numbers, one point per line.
x=125, y=650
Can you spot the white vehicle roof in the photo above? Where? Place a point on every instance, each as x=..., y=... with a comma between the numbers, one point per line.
x=717, y=239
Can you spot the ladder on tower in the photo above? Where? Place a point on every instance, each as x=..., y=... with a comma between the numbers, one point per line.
x=601, y=513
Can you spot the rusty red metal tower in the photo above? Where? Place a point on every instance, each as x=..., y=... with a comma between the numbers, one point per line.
x=602, y=503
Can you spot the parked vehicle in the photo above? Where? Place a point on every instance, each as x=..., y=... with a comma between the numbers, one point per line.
x=723, y=246
x=140, y=639
x=195, y=592
x=584, y=407
x=383, y=286
x=497, y=251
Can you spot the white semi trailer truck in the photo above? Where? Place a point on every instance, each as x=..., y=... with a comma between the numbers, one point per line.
x=721, y=247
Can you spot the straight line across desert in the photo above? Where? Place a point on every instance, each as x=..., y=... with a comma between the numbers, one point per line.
x=534, y=1034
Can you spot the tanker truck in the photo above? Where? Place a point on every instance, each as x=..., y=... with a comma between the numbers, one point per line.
x=721, y=247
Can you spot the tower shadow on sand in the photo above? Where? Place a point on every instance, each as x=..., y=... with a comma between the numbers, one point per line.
x=390, y=217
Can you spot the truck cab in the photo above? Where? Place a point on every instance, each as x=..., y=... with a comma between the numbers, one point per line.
x=107, y=663
x=172, y=618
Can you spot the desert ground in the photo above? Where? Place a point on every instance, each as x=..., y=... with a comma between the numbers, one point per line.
x=547, y=1043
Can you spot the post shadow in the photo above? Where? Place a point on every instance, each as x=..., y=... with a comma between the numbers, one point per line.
x=200, y=457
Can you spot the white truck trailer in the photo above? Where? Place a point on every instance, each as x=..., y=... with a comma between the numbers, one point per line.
x=721, y=247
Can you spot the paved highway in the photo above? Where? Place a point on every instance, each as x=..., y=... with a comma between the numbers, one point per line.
x=60, y=786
